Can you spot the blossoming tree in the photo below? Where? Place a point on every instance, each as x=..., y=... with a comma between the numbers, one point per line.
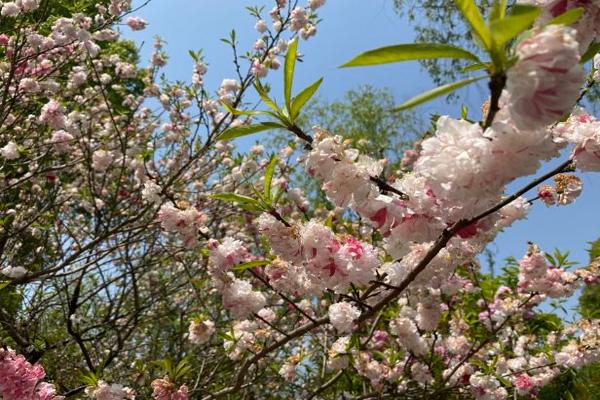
x=138, y=247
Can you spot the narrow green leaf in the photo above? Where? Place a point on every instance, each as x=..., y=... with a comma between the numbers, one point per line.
x=568, y=17
x=592, y=50
x=251, y=264
x=469, y=10
x=277, y=196
x=408, y=52
x=264, y=96
x=520, y=19
x=251, y=207
x=439, y=91
x=301, y=98
x=269, y=172
x=498, y=10
x=569, y=396
x=244, y=130
x=4, y=284
x=594, y=250
x=235, y=111
x=288, y=72
x=475, y=67
x=234, y=198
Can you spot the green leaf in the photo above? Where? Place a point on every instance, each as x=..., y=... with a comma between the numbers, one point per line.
x=568, y=17
x=269, y=171
x=469, y=10
x=244, y=130
x=251, y=264
x=288, y=72
x=264, y=96
x=234, y=198
x=569, y=396
x=4, y=284
x=590, y=52
x=520, y=19
x=277, y=196
x=498, y=10
x=594, y=250
x=251, y=207
x=235, y=111
x=89, y=379
x=439, y=91
x=301, y=98
x=408, y=52
x=475, y=67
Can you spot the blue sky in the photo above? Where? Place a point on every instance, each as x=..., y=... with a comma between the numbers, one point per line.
x=348, y=28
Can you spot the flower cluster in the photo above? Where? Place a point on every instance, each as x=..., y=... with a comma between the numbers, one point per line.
x=316, y=258
x=201, y=331
x=114, y=391
x=185, y=222
x=164, y=389
x=544, y=84
x=21, y=380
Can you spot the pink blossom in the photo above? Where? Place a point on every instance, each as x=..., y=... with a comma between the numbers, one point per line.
x=20, y=380
x=342, y=316
x=164, y=389
x=136, y=23
x=544, y=84
x=53, y=115
x=200, y=331
x=524, y=384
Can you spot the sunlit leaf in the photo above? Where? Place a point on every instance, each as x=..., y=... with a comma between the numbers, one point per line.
x=234, y=198
x=269, y=171
x=264, y=96
x=498, y=10
x=475, y=67
x=592, y=50
x=568, y=17
x=409, y=52
x=439, y=91
x=288, y=72
x=301, y=98
x=251, y=264
x=244, y=130
x=469, y=10
x=520, y=19
x=235, y=111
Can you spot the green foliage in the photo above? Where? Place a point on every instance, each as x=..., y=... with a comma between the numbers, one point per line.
x=520, y=19
x=591, y=52
x=409, y=52
x=303, y=97
x=491, y=36
x=288, y=72
x=269, y=171
x=244, y=130
x=472, y=15
x=286, y=118
x=569, y=17
x=441, y=22
x=251, y=264
x=589, y=301
x=583, y=384
x=437, y=92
